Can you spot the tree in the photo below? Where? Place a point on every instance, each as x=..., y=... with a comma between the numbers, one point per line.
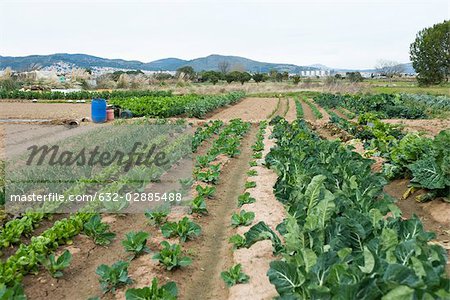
x=244, y=77
x=186, y=72
x=430, y=54
x=354, y=76
x=259, y=77
x=296, y=79
x=211, y=76
x=224, y=67
x=389, y=68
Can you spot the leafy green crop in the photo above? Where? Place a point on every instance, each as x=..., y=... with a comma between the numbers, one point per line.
x=250, y=184
x=343, y=237
x=98, y=231
x=185, y=229
x=252, y=173
x=171, y=256
x=243, y=218
x=12, y=293
x=55, y=266
x=234, y=276
x=112, y=277
x=206, y=191
x=158, y=215
x=198, y=205
x=237, y=240
x=245, y=199
x=168, y=291
x=136, y=242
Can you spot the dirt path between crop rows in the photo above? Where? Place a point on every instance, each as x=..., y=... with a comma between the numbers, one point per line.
x=214, y=252
x=249, y=109
x=308, y=115
x=255, y=260
x=292, y=113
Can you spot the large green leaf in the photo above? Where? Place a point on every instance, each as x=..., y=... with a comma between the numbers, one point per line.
x=285, y=277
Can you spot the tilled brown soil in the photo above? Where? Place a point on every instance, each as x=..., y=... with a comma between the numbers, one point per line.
x=249, y=109
x=430, y=126
x=292, y=113
x=308, y=115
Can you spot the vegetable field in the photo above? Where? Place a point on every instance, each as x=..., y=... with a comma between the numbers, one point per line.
x=293, y=197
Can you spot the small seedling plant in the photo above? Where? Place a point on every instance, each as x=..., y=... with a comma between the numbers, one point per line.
x=98, y=231
x=250, y=184
x=243, y=218
x=112, y=277
x=136, y=243
x=245, y=199
x=198, y=206
x=158, y=215
x=168, y=291
x=234, y=276
x=237, y=240
x=171, y=256
x=55, y=266
x=185, y=229
x=252, y=173
x=206, y=191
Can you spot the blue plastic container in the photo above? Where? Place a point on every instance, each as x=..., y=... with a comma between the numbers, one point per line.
x=98, y=110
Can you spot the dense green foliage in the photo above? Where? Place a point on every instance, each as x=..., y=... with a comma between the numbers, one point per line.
x=430, y=54
x=112, y=277
x=171, y=256
x=384, y=105
x=343, y=237
x=168, y=106
x=87, y=95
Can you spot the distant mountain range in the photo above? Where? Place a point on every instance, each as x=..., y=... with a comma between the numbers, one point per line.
x=207, y=63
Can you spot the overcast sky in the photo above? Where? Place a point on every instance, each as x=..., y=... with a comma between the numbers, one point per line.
x=344, y=34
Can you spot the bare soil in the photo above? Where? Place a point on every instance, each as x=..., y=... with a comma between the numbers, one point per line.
x=430, y=126
x=30, y=110
x=292, y=113
x=255, y=260
x=249, y=109
x=307, y=113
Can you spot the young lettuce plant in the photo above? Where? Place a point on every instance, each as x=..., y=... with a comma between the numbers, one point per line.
x=185, y=229
x=114, y=276
x=237, y=240
x=55, y=266
x=12, y=293
x=252, y=163
x=234, y=276
x=158, y=215
x=252, y=173
x=250, y=184
x=244, y=218
x=171, y=256
x=136, y=242
x=245, y=199
x=98, y=231
x=207, y=191
x=198, y=206
x=169, y=291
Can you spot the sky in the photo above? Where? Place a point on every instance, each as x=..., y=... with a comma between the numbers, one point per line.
x=340, y=34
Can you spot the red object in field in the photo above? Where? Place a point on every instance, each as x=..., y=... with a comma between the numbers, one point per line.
x=110, y=114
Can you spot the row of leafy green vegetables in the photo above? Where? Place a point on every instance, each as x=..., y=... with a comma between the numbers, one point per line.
x=343, y=237
x=235, y=275
x=405, y=106
x=79, y=95
x=112, y=277
x=191, y=105
x=424, y=160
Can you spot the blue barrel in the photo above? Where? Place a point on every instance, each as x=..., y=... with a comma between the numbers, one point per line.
x=98, y=110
